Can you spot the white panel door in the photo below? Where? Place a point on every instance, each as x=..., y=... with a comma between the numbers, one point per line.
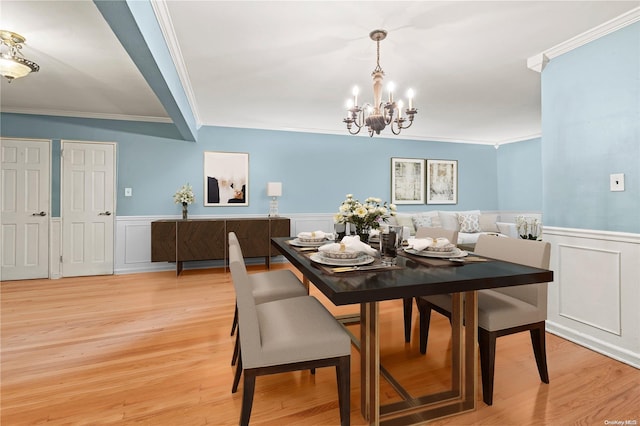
x=25, y=209
x=88, y=208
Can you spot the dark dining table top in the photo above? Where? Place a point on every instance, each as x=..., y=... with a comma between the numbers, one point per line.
x=410, y=278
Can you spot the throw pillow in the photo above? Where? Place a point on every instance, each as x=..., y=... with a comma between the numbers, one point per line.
x=469, y=223
x=488, y=222
x=449, y=220
x=404, y=220
x=421, y=221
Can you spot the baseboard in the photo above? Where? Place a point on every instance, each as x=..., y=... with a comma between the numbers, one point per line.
x=596, y=345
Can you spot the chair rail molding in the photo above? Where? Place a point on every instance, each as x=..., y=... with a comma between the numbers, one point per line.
x=593, y=300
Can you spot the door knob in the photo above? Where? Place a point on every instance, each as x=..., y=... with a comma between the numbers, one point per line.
x=107, y=213
x=39, y=214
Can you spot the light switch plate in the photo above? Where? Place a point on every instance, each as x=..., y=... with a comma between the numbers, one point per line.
x=617, y=181
x=128, y=192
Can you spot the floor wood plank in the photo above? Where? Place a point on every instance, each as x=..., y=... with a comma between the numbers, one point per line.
x=155, y=349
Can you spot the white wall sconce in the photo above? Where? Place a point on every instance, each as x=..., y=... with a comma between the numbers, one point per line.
x=274, y=190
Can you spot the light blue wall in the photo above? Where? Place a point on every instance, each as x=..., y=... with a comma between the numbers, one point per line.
x=316, y=170
x=520, y=176
x=591, y=129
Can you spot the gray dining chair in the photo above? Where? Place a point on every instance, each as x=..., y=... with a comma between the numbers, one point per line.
x=266, y=287
x=502, y=311
x=424, y=232
x=292, y=334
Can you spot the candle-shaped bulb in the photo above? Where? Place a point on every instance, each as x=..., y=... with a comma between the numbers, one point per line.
x=391, y=87
x=355, y=93
x=349, y=106
x=400, y=106
x=410, y=95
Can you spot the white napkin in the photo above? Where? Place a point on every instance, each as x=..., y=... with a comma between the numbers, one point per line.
x=441, y=242
x=314, y=234
x=420, y=244
x=350, y=244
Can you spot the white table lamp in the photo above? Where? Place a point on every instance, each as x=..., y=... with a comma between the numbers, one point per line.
x=274, y=190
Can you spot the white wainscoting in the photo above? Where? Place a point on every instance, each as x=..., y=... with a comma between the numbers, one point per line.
x=133, y=240
x=595, y=297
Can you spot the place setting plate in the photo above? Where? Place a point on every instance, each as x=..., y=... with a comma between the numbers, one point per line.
x=455, y=253
x=363, y=259
x=297, y=243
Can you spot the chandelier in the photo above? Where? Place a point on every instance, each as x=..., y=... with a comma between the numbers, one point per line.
x=12, y=63
x=378, y=115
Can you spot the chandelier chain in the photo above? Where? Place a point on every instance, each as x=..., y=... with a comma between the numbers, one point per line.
x=378, y=68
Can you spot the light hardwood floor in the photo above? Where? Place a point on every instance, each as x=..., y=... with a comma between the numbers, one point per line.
x=155, y=349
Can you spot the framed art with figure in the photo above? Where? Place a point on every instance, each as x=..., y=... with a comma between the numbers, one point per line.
x=226, y=178
x=442, y=182
x=407, y=181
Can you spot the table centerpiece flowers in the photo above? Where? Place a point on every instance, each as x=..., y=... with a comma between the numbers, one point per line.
x=364, y=216
x=184, y=196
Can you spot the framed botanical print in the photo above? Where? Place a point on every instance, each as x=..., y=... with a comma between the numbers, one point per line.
x=442, y=182
x=407, y=181
x=226, y=178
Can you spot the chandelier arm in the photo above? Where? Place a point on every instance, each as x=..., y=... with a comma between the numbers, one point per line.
x=407, y=126
x=388, y=107
x=398, y=127
x=410, y=113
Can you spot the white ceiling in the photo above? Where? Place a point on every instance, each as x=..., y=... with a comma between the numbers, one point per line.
x=291, y=65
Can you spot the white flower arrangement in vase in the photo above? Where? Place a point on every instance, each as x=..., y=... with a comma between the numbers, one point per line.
x=184, y=196
x=364, y=216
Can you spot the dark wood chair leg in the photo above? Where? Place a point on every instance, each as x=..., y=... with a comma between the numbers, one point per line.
x=540, y=351
x=236, y=378
x=487, y=346
x=408, y=313
x=424, y=308
x=247, y=397
x=235, y=321
x=236, y=346
x=343, y=375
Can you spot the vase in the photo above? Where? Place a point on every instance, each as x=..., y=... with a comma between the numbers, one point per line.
x=184, y=211
x=363, y=233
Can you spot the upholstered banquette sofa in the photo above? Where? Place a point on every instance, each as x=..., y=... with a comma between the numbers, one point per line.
x=470, y=224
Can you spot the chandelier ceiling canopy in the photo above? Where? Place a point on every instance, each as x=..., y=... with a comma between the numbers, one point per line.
x=12, y=63
x=380, y=114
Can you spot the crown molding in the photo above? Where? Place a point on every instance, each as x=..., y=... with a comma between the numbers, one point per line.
x=94, y=115
x=161, y=10
x=539, y=61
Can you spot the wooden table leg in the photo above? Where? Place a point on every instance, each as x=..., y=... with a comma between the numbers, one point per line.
x=471, y=349
x=369, y=363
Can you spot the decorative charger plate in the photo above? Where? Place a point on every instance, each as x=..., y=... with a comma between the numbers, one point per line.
x=296, y=242
x=364, y=259
x=440, y=254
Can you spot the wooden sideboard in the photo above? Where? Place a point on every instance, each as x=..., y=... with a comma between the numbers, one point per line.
x=207, y=239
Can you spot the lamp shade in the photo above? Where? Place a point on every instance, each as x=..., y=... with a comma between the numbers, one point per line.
x=12, y=68
x=274, y=189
